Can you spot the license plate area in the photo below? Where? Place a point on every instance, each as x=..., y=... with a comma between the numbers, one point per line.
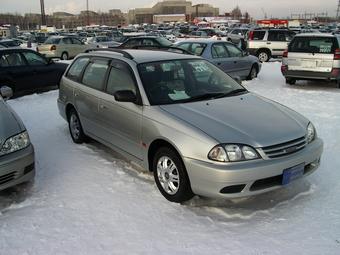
x=292, y=173
x=309, y=64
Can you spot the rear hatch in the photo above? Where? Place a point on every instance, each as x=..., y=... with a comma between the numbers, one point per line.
x=312, y=53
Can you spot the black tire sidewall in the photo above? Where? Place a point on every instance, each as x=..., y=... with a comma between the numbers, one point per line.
x=184, y=192
x=81, y=137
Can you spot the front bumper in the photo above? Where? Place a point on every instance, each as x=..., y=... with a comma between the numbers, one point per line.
x=17, y=167
x=248, y=178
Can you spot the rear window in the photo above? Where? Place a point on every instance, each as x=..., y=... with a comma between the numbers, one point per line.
x=52, y=40
x=326, y=45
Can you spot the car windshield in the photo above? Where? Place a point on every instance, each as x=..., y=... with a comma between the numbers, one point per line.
x=164, y=42
x=52, y=40
x=183, y=81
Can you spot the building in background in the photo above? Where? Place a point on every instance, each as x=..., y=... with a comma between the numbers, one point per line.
x=171, y=7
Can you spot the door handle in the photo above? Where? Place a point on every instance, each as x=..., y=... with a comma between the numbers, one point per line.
x=76, y=94
x=269, y=43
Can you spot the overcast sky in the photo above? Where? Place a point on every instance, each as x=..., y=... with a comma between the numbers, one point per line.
x=276, y=8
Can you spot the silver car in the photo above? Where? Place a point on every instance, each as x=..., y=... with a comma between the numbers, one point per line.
x=188, y=122
x=225, y=55
x=16, y=151
x=313, y=56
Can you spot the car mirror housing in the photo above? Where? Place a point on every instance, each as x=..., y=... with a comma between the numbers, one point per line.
x=6, y=92
x=125, y=96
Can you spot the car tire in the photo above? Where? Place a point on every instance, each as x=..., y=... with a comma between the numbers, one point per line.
x=263, y=56
x=75, y=128
x=253, y=73
x=290, y=81
x=173, y=183
x=64, y=56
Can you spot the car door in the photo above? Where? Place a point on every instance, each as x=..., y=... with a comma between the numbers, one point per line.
x=78, y=46
x=121, y=121
x=221, y=58
x=44, y=72
x=241, y=64
x=278, y=41
x=66, y=46
x=14, y=69
x=88, y=93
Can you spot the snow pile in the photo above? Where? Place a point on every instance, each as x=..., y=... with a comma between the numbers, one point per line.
x=87, y=200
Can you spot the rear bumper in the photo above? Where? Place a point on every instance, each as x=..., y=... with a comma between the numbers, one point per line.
x=17, y=167
x=50, y=54
x=248, y=178
x=310, y=75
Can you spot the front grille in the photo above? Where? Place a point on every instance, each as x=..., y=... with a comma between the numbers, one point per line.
x=283, y=149
x=7, y=177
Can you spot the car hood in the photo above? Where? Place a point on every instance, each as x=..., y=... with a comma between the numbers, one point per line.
x=244, y=119
x=10, y=123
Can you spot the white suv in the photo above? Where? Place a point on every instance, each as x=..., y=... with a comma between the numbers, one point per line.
x=312, y=57
x=267, y=43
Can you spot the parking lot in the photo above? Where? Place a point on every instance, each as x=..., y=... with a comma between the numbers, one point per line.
x=86, y=199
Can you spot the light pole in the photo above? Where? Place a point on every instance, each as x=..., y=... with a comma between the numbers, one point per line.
x=43, y=16
x=87, y=12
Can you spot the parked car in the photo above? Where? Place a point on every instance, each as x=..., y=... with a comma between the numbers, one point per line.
x=25, y=69
x=198, y=34
x=132, y=42
x=8, y=43
x=237, y=34
x=188, y=122
x=16, y=150
x=102, y=42
x=224, y=55
x=312, y=57
x=268, y=43
x=63, y=47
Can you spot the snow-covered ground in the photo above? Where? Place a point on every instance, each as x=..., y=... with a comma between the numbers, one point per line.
x=87, y=200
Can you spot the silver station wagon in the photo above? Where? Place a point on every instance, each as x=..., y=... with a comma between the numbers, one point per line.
x=188, y=122
x=16, y=150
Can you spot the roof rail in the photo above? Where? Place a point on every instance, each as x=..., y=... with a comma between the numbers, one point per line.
x=120, y=51
x=165, y=48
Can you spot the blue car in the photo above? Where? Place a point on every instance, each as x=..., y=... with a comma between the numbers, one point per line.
x=227, y=56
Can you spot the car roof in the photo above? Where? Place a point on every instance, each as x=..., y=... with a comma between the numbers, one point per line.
x=315, y=35
x=144, y=56
x=14, y=49
x=202, y=40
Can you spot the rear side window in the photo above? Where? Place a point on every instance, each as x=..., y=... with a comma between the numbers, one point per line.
x=12, y=59
x=95, y=73
x=258, y=35
x=77, y=68
x=198, y=48
x=313, y=45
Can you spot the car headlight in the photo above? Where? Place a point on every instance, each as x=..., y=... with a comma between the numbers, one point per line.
x=15, y=143
x=232, y=153
x=310, y=133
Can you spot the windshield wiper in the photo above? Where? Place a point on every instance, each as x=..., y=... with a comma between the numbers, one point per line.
x=206, y=96
x=233, y=92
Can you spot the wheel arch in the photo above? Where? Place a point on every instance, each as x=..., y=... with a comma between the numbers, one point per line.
x=157, y=144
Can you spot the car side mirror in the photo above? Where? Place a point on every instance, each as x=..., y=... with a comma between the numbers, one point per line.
x=125, y=96
x=6, y=92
